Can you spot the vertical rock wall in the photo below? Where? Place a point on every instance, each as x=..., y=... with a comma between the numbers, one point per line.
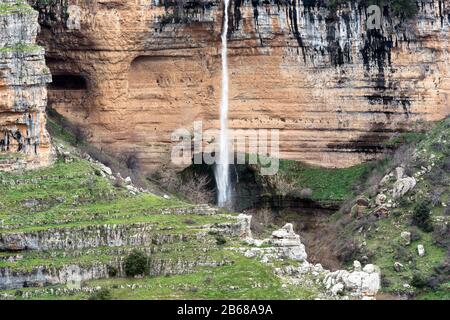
x=24, y=141
x=335, y=90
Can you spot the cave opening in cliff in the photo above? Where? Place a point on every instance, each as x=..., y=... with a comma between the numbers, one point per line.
x=68, y=82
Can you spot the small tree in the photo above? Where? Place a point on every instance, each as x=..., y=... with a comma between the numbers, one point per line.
x=102, y=294
x=421, y=216
x=79, y=135
x=135, y=263
x=196, y=189
x=131, y=160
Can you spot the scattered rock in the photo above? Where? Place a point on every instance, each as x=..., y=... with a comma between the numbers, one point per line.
x=399, y=172
x=105, y=169
x=403, y=186
x=421, y=250
x=244, y=222
x=398, y=266
x=363, y=202
x=133, y=190
x=338, y=288
x=369, y=268
x=381, y=211
x=380, y=199
x=406, y=238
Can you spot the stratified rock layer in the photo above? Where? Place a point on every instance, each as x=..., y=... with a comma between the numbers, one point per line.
x=24, y=141
x=132, y=72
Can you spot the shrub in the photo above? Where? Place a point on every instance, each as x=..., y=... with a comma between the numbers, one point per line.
x=189, y=221
x=79, y=134
x=135, y=263
x=346, y=249
x=260, y=220
x=131, y=160
x=118, y=183
x=220, y=240
x=401, y=253
x=112, y=271
x=197, y=190
x=441, y=235
x=102, y=294
x=415, y=234
x=418, y=281
x=283, y=184
x=421, y=216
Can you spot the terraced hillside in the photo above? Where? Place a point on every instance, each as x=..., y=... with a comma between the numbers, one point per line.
x=72, y=215
x=76, y=230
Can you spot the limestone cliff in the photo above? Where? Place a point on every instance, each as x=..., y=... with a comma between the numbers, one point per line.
x=131, y=72
x=24, y=141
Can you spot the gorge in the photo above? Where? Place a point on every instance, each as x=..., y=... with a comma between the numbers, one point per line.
x=93, y=205
x=134, y=71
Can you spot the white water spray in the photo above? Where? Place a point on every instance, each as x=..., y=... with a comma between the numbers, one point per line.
x=222, y=167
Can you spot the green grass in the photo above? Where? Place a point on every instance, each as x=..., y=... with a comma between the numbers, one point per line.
x=74, y=195
x=26, y=48
x=442, y=293
x=185, y=249
x=328, y=185
x=16, y=7
x=385, y=243
x=243, y=279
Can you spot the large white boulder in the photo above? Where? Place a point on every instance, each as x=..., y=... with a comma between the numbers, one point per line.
x=403, y=186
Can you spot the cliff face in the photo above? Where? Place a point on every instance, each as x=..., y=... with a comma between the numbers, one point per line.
x=24, y=141
x=131, y=72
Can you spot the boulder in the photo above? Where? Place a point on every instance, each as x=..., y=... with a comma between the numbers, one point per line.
x=406, y=238
x=288, y=243
x=380, y=199
x=369, y=268
x=403, y=186
x=399, y=173
x=338, y=288
x=421, y=250
x=105, y=169
x=244, y=221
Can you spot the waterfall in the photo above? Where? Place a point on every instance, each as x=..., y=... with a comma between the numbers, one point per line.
x=222, y=167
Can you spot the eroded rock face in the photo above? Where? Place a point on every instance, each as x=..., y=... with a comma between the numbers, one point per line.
x=134, y=71
x=24, y=141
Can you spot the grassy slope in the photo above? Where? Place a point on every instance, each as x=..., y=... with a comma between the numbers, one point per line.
x=382, y=237
x=243, y=279
x=328, y=185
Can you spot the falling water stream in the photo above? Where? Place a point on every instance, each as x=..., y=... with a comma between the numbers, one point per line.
x=222, y=168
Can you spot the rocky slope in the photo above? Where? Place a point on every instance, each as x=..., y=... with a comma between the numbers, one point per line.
x=24, y=141
x=401, y=221
x=132, y=72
